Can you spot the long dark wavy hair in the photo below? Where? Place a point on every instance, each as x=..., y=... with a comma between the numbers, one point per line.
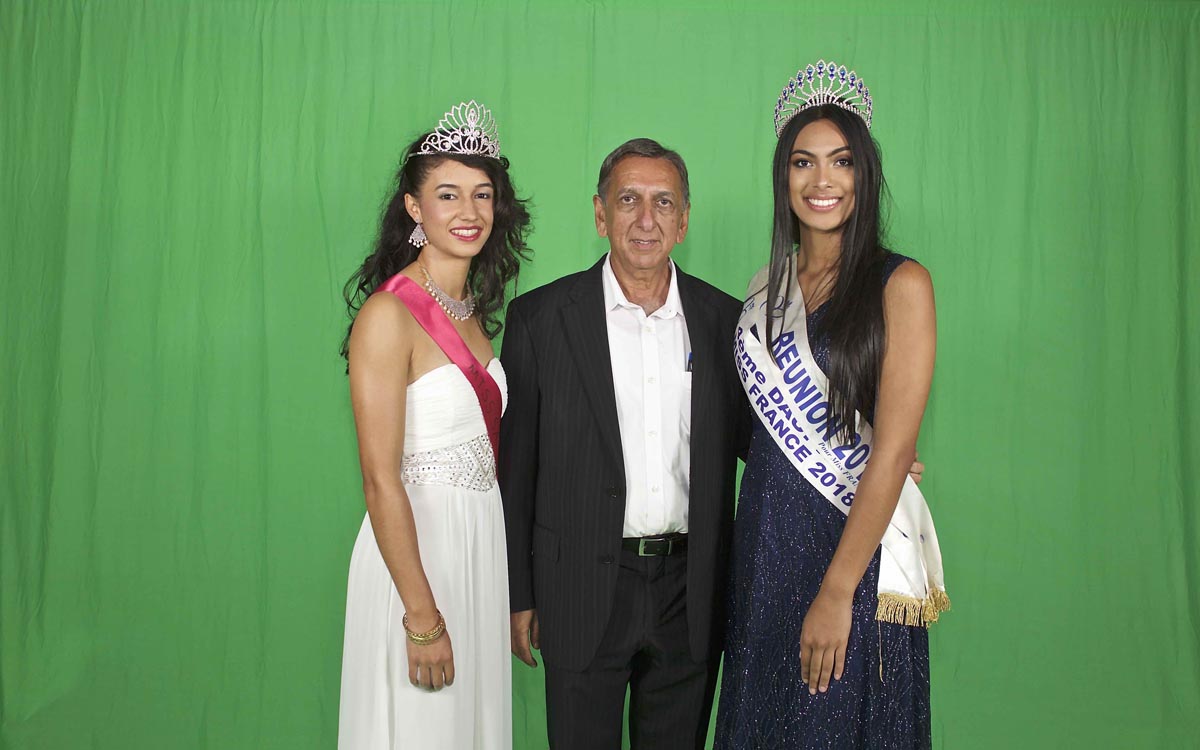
x=853, y=314
x=497, y=264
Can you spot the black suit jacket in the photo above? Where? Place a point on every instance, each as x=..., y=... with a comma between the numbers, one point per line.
x=562, y=473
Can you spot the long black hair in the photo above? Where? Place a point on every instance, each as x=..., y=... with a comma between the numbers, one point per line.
x=491, y=270
x=853, y=314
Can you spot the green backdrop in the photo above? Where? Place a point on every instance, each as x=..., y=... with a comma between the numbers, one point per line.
x=184, y=187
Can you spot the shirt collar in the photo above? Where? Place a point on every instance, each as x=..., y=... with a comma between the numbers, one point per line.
x=614, y=297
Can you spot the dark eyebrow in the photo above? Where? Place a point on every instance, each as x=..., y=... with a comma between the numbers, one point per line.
x=831, y=153
x=455, y=187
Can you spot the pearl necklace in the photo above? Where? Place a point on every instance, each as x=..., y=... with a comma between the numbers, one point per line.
x=456, y=309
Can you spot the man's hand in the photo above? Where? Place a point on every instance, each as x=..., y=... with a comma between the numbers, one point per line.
x=524, y=626
x=916, y=470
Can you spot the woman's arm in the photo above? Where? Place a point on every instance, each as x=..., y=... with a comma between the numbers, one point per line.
x=381, y=345
x=910, y=343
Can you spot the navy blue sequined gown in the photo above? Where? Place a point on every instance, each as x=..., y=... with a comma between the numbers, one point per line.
x=784, y=538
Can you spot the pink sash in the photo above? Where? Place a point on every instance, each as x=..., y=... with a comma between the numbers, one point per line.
x=442, y=331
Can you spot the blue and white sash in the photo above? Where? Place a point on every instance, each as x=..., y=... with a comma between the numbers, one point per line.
x=791, y=399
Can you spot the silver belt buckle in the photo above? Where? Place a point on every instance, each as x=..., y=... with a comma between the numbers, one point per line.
x=642, y=546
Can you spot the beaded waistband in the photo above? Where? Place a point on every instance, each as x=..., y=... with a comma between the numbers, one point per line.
x=469, y=465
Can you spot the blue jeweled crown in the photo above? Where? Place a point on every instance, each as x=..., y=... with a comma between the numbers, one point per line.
x=823, y=83
x=468, y=128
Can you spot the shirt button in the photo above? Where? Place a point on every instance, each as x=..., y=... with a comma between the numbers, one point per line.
x=606, y=559
x=651, y=380
x=652, y=433
x=613, y=493
x=654, y=488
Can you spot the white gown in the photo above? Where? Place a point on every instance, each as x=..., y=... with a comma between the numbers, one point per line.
x=449, y=475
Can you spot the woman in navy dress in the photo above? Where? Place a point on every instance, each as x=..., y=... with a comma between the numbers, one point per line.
x=807, y=664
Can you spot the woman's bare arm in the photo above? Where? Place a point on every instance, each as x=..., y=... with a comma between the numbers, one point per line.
x=910, y=344
x=381, y=347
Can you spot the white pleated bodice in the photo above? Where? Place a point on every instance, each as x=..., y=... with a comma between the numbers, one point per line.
x=445, y=439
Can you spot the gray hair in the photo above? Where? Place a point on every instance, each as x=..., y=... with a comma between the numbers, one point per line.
x=650, y=149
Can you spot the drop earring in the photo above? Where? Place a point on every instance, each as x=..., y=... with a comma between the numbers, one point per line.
x=418, y=238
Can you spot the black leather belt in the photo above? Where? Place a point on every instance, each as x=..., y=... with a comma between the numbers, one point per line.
x=655, y=546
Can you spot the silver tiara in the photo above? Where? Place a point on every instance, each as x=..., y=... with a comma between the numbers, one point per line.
x=468, y=128
x=823, y=83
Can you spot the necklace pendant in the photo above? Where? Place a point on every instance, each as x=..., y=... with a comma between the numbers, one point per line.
x=459, y=310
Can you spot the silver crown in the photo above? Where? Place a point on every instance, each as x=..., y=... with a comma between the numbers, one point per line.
x=468, y=128
x=823, y=83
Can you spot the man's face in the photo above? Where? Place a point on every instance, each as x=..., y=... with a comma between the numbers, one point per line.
x=643, y=215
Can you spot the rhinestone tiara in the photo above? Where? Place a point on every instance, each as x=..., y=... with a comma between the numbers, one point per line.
x=468, y=128
x=823, y=83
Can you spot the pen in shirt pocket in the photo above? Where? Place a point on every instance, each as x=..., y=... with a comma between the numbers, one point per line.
x=688, y=367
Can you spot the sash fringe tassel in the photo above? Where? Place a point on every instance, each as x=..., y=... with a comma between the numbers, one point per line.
x=907, y=610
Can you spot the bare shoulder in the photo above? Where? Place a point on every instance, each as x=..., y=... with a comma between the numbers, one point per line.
x=908, y=305
x=910, y=284
x=910, y=277
x=383, y=322
x=383, y=307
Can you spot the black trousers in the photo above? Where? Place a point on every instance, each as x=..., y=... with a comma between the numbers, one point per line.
x=645, y=650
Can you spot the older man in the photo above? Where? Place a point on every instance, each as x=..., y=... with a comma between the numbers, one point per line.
x=618, y=456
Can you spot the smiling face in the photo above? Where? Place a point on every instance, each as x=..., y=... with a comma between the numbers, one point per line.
x=644, y=214
x=821, y=178
x=455, y=206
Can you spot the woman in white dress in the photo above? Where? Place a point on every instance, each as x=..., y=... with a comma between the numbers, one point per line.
x=425, y=662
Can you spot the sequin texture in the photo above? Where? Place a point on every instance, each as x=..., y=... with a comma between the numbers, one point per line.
x=784, y=538
x=468, y=465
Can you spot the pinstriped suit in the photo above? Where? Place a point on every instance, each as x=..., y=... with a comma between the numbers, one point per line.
x=562, y=473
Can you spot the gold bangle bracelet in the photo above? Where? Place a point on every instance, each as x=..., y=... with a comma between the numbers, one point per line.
x=424, y=639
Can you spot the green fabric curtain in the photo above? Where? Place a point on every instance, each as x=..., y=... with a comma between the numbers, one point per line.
x=184, y=188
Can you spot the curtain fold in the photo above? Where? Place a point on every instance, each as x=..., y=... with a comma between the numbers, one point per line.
x=185, y=187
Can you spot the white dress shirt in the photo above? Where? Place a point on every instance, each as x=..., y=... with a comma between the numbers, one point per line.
x=653, y=383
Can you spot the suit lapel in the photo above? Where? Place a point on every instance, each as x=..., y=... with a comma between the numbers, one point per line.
x=587, y=333
x=703, y=334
